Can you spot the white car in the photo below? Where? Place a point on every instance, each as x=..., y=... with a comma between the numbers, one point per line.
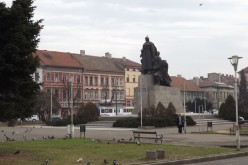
x=32, y=118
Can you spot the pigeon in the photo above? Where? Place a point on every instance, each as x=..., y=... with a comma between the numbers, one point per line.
x=80, y=160
x=88, y=163
x=92, y=139
x=200, y=4
x=47, y=161
x=44, y=137
x=115, y=162
x=17, y=152
x=105, y=161
x=130, y=139
x=113, y=139
x=99, y=140
x=138, y=142
x=34, y=138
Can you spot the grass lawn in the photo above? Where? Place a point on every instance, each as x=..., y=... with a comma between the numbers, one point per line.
x=66, y=152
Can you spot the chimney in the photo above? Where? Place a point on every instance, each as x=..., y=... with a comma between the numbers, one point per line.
x=179, y=75
x=124, y=58
x=82, y=52
x=108, y=55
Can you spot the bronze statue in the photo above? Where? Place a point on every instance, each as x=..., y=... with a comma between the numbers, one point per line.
x=152, y=64
x=148, y=53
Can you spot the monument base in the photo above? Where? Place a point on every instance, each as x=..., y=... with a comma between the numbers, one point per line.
x=148, y=94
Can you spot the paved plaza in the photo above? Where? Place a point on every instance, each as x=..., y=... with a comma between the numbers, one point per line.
x=171, y=136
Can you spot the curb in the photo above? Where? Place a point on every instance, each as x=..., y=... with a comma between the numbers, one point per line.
x=196, y=160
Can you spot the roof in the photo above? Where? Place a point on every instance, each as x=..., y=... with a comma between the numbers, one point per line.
x=208, y=83
x=245, y=70
x=59, y=59
x=96, y=63
x=179, y=82
x=126, y=62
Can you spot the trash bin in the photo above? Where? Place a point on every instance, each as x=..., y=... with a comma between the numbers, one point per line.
x=82, y=128
x=210, y=125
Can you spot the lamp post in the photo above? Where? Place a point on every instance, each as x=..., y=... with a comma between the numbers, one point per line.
x=141, y=103
x=71, y=127
x=185, y=122
x=234, y=61
x=116, y=97
x=51, y=110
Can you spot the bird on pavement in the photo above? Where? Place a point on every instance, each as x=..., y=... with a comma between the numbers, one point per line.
x=115, y=162
x=17, y=152
x=105, y=162
x=47, y=161
x=130, y=139
x=80, y=160
x=88, y=163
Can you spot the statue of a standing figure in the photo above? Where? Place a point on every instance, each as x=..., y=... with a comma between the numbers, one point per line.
x=152, y=64
x=148, y=54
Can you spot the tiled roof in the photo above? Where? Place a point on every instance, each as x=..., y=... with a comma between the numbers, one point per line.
x=126, y=62
x=95, y=63
x=208, y=83
x=179, y=82
x=59, y=59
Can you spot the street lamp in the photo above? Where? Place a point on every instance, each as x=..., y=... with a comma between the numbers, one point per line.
x=51, y=110
x=141, y=103
x=71, y=127
x=116, y=100
x=185, y=122
x=234, y=61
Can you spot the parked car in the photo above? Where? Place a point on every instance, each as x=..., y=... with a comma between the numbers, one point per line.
x=32, y=118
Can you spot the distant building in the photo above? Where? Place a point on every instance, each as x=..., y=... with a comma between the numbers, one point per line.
x=101, y=80
x=132, y=73
x=216, y=87
x=191, y=90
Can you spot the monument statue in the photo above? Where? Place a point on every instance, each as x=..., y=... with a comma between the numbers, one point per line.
x=152, y=64
x=148, y=53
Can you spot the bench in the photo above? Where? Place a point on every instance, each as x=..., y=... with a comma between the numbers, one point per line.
x=147, y=135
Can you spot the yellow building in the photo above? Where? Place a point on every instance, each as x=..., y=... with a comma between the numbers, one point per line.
x=132, y=73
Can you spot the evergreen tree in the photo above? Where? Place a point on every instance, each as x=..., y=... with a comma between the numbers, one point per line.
x=170, y=110
x=243, y=93
x=160, y=109
x=18, y=41
x=227, y=110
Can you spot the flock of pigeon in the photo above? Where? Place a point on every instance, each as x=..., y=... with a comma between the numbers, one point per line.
x=22, y=135
x=27, y=135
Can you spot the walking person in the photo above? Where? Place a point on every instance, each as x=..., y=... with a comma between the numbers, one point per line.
x=180, y=123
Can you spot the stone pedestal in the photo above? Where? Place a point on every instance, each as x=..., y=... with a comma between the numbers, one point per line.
x=160, y=154
x=149, y=94
x=151, y=155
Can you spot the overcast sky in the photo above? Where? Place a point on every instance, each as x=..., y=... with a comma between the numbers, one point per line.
x=194, y=39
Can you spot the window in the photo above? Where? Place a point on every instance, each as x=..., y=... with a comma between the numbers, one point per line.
x=95, y=81
x=48, y=77
x=64, y=77
x=56, y=92
x=64, y=94
x=78, y=78
x=86, y=80
x=78, y=94
x=133, y=78
x=56, y=77
x=128, y=104
x=102, y=81
x=91, y=81
x=121, y=95
x=133, y=69
x=112, y=82
x=127, y=69
x=96, y=94
x=107, y=81
x=36, y=76
x=127, y=78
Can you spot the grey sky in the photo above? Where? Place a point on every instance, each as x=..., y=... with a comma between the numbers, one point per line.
x=195, y=40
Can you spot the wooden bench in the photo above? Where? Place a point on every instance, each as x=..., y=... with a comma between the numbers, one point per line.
x=147, y=135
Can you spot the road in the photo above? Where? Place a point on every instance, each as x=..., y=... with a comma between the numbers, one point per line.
x=232, y=161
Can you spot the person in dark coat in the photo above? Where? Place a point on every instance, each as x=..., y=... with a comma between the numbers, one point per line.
x=180, y=123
